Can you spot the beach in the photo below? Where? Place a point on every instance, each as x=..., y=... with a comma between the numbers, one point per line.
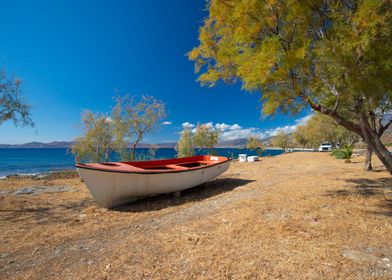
x=292, y=216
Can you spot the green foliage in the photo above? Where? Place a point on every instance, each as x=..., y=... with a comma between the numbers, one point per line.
x=205, y=137
x=133, y=118
x=152, y=151
x=343, y=153
x=299, y=52
x=12, y=105
x=185, y=146
x=97, y=143
x=301, y=136
x=281, y=140
x=334, y=56
x=321, y=128
x=255, y=145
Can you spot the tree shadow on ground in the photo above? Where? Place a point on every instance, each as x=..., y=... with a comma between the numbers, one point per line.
x=369, y=188
x=197, y=193
x=45, y=212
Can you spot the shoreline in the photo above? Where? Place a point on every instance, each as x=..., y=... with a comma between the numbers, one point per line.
x=49, y=160
x=57, y=174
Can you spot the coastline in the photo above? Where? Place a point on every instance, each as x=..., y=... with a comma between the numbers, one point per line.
x=39, y=161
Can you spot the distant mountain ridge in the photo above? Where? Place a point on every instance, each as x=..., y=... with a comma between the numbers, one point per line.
x=68, y=144
x=236, y=143
x=55, y=144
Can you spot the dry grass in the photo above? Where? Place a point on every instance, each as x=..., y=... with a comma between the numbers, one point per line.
x=296, y=216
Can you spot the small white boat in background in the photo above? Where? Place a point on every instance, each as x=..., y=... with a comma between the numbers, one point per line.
x=116, y=183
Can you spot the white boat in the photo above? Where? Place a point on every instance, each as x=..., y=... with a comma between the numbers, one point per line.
x=116, y=183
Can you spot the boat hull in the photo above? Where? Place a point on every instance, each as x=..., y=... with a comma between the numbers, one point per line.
x=111, y=189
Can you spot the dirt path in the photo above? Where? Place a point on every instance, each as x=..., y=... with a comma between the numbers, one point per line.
x=296, y=216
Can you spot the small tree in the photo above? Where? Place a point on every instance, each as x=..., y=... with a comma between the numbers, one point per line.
x=254, y=144
x=12, y=105
x=300, y=136
x=133, y=119
x=321, y=128
x=205, y=137
x=152, y=151
x=185, y=147
x=281, y=140
x=97, y=143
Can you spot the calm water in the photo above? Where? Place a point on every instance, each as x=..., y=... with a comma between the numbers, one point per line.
x=30, y=161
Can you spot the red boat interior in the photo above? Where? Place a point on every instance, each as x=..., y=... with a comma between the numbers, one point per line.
x=167, y=165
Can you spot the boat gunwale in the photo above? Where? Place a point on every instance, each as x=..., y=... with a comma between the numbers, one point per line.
x=83, y=166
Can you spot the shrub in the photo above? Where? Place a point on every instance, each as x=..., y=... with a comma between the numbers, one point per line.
x=343, y=153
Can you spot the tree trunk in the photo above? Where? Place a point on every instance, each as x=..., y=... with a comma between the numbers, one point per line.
x=133, y=152
x=368, y=159
x=373, y=141
x=369, y=135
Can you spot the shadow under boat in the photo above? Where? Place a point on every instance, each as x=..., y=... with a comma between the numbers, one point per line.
x=198, y=193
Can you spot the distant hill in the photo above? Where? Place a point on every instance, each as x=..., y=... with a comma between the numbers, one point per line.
x=65, y=144
x=55, y=144
x=236, y=143
x=240, y=143
x=159, y=145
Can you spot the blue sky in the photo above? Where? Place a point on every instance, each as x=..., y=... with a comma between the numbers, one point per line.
x=74, y=55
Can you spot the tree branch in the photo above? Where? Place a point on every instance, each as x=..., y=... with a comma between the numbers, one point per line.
x=335, y=115
x=383, y=128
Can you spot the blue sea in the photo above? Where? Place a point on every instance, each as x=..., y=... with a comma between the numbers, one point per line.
x=34, y=161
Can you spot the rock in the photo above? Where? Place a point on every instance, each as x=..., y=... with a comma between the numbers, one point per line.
x=29, y=190
x=360, y=257
x=4, y=255
x=4, y=192
x=36, y=190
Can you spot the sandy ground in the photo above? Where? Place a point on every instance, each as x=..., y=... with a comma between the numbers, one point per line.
x=295, y=216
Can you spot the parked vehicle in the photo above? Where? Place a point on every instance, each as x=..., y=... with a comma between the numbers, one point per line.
x=325, y=147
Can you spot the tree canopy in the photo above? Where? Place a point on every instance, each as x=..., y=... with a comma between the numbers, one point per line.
x=97, y=143
x=255, y=144
x=321, y=128
x=133, y=118
x=205, y=137
x=333, y=56
x=281, y=140
x=130, y=120
x=185, y=146
x=12, y=106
